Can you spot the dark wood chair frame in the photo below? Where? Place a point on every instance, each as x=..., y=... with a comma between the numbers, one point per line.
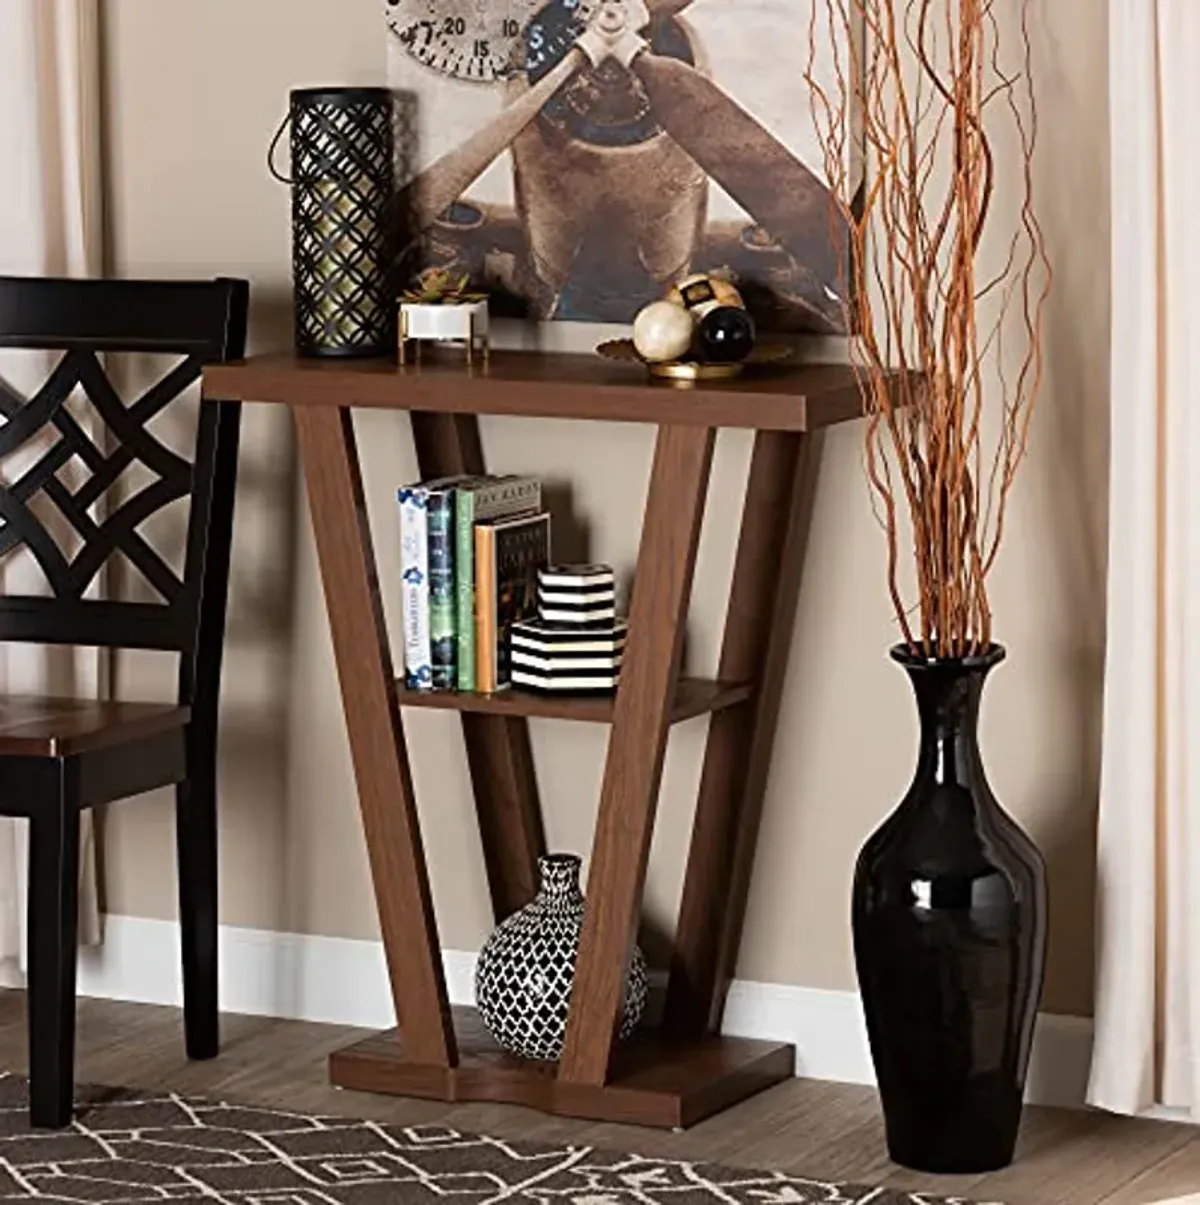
x=205, y=323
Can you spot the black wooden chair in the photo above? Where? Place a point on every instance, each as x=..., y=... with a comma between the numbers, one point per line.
x=57, y=756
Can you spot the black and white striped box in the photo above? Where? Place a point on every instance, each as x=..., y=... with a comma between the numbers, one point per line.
x=551, y=657
x=577, y=594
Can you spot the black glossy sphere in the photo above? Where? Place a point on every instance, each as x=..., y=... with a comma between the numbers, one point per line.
x=950, y=941
x=725, y=335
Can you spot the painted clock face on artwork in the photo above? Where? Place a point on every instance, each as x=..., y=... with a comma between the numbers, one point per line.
x=479, y=40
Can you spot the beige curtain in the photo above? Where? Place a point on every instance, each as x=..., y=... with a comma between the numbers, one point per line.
x=50, y=224
x=1147, y=1043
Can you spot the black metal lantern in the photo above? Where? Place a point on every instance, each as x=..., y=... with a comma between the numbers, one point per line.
x=343, y=206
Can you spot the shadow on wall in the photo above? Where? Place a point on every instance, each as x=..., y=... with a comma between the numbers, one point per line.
x=259, y=636
x=252, y=754
x=1068, y=483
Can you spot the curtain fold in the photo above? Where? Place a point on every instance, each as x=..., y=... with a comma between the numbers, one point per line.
x=50, y=225
x=1147, y=1019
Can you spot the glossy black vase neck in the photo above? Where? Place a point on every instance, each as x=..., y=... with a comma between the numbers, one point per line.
x=559, y=880
x=948, y=692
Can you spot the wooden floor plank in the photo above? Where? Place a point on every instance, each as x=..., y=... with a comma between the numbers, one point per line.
x=1092, y=1156
x=824, y=1130
x=1175, y=1176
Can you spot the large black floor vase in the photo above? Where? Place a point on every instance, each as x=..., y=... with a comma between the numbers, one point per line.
x=950, y=940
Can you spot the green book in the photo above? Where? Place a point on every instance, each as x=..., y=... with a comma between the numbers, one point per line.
x=476, y=502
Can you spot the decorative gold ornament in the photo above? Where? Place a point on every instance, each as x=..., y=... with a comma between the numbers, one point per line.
x=705, y=291
x=763, y=354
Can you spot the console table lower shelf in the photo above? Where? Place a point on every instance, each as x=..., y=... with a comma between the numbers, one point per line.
x=654, y=1081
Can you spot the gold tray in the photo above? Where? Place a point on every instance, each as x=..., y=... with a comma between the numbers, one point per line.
x=693, y=370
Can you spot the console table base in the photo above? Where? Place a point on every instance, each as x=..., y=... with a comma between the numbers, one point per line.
x=654, y=1082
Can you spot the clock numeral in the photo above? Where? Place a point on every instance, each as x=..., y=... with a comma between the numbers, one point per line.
x=512, y=28
x=482, y=49
x=454, y=26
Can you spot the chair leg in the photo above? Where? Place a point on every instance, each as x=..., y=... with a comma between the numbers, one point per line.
x=53, y=936
x=196, y=843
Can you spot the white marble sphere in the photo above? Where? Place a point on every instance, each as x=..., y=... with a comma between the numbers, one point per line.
x=663, y=332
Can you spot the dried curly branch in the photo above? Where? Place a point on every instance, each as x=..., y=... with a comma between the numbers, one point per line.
x=920, y=87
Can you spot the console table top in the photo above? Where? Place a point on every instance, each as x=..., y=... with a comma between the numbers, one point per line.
x=796, y=397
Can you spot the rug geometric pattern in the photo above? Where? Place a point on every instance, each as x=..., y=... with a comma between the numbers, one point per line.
x=126, y=1147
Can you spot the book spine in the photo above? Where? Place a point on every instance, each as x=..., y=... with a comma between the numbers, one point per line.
x=520, y=548
x=464, y=585
x=414, y=588
x=442, y=602
x=485, y=610
x=509, y=497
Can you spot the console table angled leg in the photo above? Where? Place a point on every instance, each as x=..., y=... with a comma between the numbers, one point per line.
x=385, y=792
x=757, y=641
x=649, y=675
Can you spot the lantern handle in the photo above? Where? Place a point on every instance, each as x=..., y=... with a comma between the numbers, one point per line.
x=283, y=125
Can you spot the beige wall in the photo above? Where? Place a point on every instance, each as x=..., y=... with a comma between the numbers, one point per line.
x=195, y=91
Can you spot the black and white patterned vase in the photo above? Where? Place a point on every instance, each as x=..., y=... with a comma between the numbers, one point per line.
x=526, y=968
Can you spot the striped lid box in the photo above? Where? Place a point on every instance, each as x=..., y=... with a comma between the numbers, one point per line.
x=577, y=594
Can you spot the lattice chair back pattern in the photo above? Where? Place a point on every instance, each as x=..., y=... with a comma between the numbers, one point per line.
x=86, y=322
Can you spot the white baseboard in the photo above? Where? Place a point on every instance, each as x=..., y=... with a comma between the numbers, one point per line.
x=344, y=982
x=830, y=1037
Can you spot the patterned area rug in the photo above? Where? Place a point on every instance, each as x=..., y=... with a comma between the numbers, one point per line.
x=125, y=1147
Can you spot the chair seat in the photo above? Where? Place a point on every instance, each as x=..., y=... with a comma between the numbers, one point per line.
x=33, y=726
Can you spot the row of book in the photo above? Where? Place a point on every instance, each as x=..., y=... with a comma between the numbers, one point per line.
x=470, y=551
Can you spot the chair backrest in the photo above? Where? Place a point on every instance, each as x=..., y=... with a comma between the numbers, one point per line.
x=198, y=322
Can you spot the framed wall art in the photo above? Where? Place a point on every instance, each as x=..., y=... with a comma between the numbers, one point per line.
x=577, y=156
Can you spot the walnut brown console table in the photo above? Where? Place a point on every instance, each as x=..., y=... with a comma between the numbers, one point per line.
x=683, y=1070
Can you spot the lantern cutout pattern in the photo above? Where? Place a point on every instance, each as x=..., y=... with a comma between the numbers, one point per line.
x=343, y=208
